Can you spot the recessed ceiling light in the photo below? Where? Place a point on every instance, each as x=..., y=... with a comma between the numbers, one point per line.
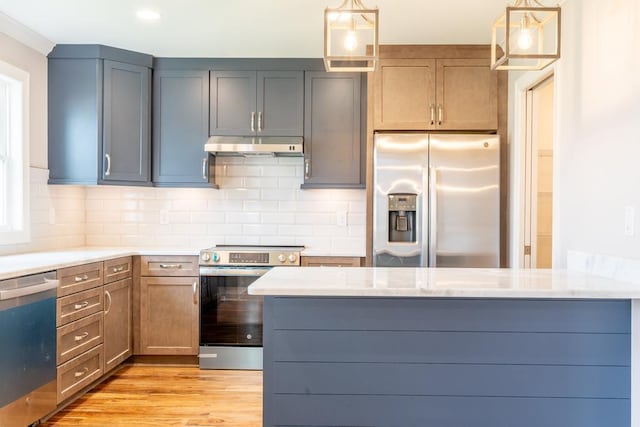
x=148, y=15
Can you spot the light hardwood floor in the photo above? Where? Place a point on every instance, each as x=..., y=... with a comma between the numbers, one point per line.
x=169, y=396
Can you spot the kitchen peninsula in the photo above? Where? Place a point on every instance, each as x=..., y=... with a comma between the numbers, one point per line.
x=447, y=347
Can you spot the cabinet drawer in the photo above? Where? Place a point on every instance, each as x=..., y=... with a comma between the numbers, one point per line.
x=79, y=336
x=79, y=278
x=169, y=266
x=329, y=261
x=79, y=305
x=117, y=269
x=79, y=372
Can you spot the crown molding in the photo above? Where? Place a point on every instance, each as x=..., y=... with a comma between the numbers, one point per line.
x=25, y=35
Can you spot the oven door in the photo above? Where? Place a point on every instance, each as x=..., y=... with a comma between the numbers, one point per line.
x=229, y=316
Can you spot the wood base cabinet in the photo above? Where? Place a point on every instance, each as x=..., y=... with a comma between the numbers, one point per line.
x=169, y=315
x=117, y=323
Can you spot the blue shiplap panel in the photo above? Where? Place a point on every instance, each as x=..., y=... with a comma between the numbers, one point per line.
x=418, y=411
x=452, y=347
x=416, y=314
x=603, y=382
x=446, y=363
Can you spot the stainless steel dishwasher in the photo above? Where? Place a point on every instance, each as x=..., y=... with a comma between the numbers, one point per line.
x=27, y=348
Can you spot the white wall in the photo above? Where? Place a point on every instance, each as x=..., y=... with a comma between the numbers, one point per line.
x=598, y=147
x=597, y=162
x=57, y=213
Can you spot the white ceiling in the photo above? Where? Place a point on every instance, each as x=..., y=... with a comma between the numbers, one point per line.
x=246, y=28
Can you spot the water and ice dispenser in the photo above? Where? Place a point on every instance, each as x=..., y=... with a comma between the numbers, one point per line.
x=402, y=217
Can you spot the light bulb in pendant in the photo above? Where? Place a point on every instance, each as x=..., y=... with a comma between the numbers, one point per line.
x=351, y=41
x=525, y=39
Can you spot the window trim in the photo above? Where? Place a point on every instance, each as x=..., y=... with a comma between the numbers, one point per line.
x=18, y=229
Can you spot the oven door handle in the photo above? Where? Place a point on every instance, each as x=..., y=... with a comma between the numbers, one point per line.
x=233, y=272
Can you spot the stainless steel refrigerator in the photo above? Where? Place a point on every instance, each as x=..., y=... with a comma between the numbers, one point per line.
x=436, y=200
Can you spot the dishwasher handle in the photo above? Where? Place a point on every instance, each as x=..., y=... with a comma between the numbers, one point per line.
x=48, y=284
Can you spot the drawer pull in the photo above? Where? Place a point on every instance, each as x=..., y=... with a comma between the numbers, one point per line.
x=81, y=336
x=78, y=374
x=118, y=269
x=81, y=278
x=171, y=266
x=81, y=305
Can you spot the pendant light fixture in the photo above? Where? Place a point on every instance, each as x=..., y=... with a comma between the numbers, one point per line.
x=351, y=37
x=526, y=37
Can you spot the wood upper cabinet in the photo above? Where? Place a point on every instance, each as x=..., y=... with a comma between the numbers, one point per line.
x=180, y=127
x=405, y=95
x=117, y=323
x=256, y=103
x=435, y=94
x=466, y=94
x=332, y=135
x=169, y=315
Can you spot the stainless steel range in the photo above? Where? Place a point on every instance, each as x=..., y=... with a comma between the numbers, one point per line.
x=230, y=318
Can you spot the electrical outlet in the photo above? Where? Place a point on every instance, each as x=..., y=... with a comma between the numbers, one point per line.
x=164, y=216
x=629, y=221
x=341, y=218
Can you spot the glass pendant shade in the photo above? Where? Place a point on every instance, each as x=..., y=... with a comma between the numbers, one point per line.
x=351, y=37
x=526, y=37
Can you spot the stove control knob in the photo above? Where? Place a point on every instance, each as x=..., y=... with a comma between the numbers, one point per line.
x=282, y=258
x=292, y=258
x=205, y=256
x=215, y=257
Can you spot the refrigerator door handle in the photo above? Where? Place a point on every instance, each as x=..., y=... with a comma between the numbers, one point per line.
x=433, y=215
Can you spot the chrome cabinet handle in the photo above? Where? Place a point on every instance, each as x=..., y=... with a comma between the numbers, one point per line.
x=81, y=278
x=195, y=292
x=81, y=305
x=204, y=168
x=108, y=172
x=253, y=121
x=78, y=374
x=81, y=336
x=432, y=110
x=307, y=168
x=171, y=266
x=440, y=115
x=107, y=295
x=259, y=121
x=118, y=269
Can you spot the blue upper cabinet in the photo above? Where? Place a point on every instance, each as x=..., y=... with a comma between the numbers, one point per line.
x=256, y=103
x=99, y=116
x=180, y=127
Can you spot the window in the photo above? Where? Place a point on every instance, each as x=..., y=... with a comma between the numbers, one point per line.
x=14, y=178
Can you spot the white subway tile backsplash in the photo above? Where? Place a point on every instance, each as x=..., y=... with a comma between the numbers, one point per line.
x=259, y=202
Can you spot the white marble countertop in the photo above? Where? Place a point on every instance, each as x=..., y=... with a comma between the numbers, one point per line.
x=38, y=262
x=439, y=282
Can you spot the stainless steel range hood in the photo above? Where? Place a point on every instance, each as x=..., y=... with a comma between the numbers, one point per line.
x=254, y=146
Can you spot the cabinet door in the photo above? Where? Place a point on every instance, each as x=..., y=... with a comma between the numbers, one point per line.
x=233, y=103
x=127, y=122
x=280, y=100
x=330, y=261
x=180, y=126
x=404, y=94
x=332, y=130
x=169, y=315
x=467, y=93
x=117, y=323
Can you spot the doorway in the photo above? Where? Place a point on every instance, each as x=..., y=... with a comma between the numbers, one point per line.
x=538, y=175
